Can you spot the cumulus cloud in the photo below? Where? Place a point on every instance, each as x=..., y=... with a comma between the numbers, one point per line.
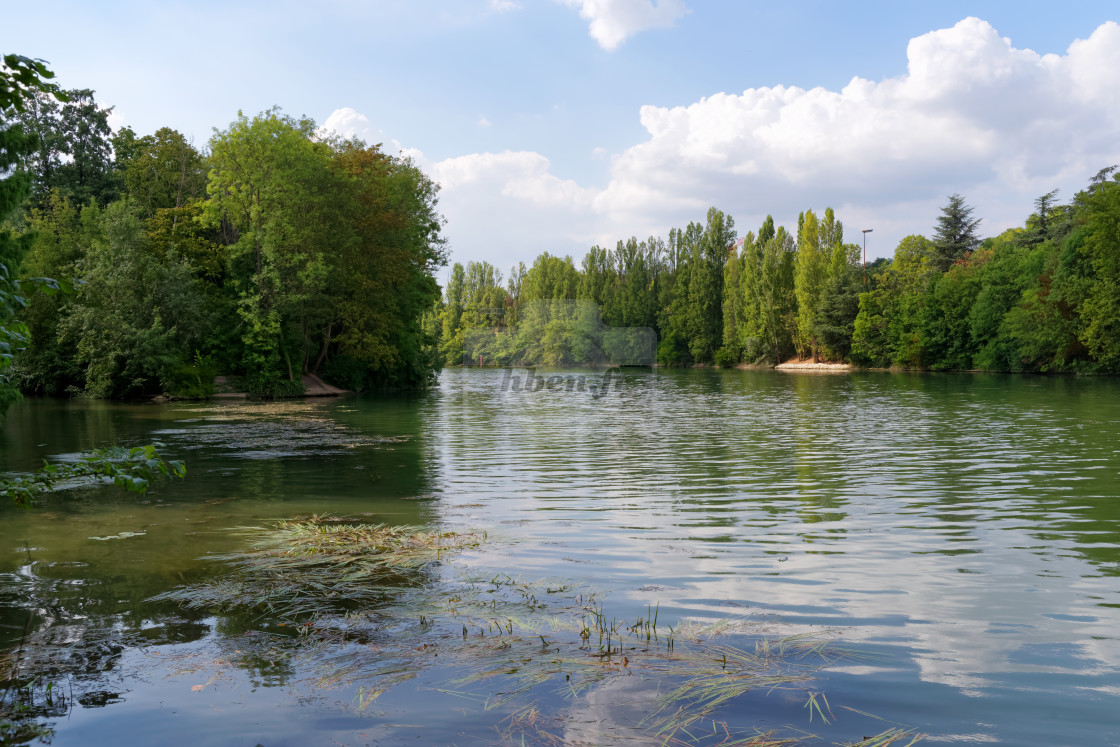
x=350, y=123
x=972, y=114
x=613, y=21
x=502, y=6
x=484, y=122
x=508, y=207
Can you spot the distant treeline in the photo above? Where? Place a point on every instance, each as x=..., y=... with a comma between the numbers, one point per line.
x=276, y=251
x=1044, y=297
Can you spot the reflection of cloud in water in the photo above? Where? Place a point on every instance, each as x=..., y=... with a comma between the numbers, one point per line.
x=969, y=536
x=611, y=713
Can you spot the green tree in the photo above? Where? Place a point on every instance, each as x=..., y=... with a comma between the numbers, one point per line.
x=731, y=352
x=135, y=319
x=838, y=302
x=548, y=312
x=772, y=301
x=270, y=183
x=160, y=171
x=395, y=247
x=886, y=331
x=704, y=315
x=451, y=337
x=599, y=279
x=74, y=151
x=1101, y=216
x=636, y=302
x=811, y=275
x=955, y=233
x=672, y=299
x=22, y=81
x=60, y=234
x=483, y=318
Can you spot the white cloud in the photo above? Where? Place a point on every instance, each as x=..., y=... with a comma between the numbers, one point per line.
x=484, y=122
x=350, y=124
x=508, y=207
x=972, y=115
x=502, y=6
x=115, y=120
x=613, y=21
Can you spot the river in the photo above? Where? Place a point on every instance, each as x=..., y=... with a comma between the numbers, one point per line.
x=953, y=539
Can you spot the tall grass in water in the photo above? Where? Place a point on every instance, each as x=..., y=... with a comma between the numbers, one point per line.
x=376, y=605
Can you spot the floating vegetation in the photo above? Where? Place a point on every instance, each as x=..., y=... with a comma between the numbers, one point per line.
x=121, y=535
x=371, y=606
x=132, y=469
x=271, y=430
x=322, y=566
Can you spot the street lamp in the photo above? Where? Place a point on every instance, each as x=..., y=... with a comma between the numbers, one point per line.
x=865, y=232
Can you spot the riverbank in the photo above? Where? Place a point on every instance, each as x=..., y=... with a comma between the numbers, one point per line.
x=313, y=386
x=798, y=364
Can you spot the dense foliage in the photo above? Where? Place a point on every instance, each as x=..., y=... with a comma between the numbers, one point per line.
x=22, y=81
x=277, y=252
x=274, y=253
x=1044, y=297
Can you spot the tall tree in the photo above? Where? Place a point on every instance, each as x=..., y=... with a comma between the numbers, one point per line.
x=955, y=233
x=599, y=280
x=886, y=330
x=88, y=174
x=394, y=247
x=731, y=351
x=773, y=302
x=270, y=183
x=451, y=337
x=162, y=170
x=709, y=247
x=809, y=281
x=74, y=152
x=672, y=298
x=1101, y=214
x=22, y=81
x=135, y=319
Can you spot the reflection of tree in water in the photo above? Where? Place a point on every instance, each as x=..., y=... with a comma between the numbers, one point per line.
x=61, y=645
x=820, y=470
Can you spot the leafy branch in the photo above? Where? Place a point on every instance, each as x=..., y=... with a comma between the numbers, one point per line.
x=132, y=469
x=21, y=77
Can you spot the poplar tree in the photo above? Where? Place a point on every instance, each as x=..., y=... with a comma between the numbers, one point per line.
x=811, y=273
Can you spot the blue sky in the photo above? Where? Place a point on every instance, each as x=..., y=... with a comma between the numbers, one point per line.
x=553, y=125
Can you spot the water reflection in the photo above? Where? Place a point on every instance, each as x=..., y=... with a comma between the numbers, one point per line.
x=970, y=520
x=963, y=528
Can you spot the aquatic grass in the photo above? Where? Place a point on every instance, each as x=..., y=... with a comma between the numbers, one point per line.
x=321, y=565
x=889, y=737
x=370, y=607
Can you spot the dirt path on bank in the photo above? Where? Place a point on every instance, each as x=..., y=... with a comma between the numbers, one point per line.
x=313, y=386
x=798, y=364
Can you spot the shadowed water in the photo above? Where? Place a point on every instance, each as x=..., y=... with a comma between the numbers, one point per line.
x=961, y=532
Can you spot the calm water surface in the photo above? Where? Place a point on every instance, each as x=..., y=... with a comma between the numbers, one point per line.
x=960, y=534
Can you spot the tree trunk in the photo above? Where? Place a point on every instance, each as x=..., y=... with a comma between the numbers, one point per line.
x=323, y=352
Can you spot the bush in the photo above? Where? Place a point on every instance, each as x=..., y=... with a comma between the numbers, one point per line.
x=346, y=373
x=271, y=386
x=726, y=358
x=192, y=380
